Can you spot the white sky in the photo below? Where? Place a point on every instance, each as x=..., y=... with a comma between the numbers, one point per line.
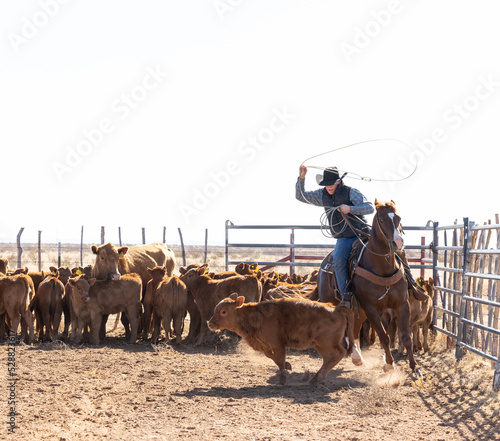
x=181, y=88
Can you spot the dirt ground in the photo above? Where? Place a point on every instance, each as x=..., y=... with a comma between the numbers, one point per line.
x=226, y=391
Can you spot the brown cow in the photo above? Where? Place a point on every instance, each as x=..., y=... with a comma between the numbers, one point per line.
x=66, y=300
x=30, y=280
x=245, y=269
x=4, y=265
x=47, y=305
x=170, y=302
x=63, y=273
x=421, y=314
x=192, y=308
x=207, y=292
x=157, y=274
x=272, y=290
x=92, y=299
x=111, y=262
x=313, y=277
x=222, y=275
x=36, y=277
x=272, y=326
x=14, y=295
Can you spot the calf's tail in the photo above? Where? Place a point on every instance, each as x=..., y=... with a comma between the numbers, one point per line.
x=349, y=331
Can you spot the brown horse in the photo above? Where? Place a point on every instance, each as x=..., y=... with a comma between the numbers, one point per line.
x=379, y=282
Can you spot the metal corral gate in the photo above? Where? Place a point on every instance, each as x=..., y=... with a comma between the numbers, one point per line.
x=465, y=267
x=467, y=301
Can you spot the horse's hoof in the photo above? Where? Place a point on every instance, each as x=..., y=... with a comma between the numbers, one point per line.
x=288, y=366
x=357, y=361
x=388, y=367
x=417, y=374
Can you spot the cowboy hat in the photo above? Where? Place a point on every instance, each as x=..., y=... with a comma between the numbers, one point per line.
x=330, y=176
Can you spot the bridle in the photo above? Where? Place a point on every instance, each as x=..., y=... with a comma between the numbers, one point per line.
x=360, y=233
x=388, y=241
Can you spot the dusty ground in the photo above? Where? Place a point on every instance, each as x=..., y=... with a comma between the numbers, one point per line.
x=227, y=391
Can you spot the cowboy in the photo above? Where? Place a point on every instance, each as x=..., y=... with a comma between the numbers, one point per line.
x=340, y=202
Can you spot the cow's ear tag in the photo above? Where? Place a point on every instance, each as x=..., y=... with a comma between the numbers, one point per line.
x=206, y=270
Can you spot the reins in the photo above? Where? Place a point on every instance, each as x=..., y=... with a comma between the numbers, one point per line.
x=359, y=232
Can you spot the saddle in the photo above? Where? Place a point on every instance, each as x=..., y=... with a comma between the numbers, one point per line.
x=327, y=266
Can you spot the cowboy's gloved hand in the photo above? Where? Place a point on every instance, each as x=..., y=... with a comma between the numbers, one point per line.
x=346, y=209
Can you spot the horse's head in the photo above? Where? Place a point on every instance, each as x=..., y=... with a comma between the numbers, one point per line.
x=390, y=224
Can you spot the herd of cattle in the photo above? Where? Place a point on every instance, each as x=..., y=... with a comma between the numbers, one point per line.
x=139, y=283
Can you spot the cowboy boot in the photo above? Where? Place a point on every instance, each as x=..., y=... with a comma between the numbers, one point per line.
x=347, y=299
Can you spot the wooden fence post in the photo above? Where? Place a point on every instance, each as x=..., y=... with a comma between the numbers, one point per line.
x=164, y=234
x=206, y=245
x=19, y=249
x=39, y=250
x=59, y=254
x=143, y=236
x=120, y=236
x=102, y=235
x=182, y=246
x=81, y=248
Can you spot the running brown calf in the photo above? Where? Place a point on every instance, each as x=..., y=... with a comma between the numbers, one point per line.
x=272, y=326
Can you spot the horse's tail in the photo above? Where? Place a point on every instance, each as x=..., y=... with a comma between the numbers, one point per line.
x=349, y=330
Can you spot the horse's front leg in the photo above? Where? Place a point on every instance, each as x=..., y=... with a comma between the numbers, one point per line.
x=376, y=322
x=403, y=316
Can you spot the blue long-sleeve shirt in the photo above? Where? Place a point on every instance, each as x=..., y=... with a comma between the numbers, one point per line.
x=361, y=205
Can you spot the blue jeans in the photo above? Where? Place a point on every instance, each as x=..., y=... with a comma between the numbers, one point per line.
x=341, y=254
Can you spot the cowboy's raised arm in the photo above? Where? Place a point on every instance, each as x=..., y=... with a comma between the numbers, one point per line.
x=309, y=197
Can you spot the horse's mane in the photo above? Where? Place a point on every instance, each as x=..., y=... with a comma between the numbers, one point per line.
x=390, y=204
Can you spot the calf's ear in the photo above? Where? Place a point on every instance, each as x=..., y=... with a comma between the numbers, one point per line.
x=182, y=270
x=122, y=251
x=91, y=282
x=233, y=296
x=94, y=249
x=239, y=301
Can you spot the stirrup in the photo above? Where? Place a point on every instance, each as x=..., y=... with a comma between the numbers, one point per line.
x=347, y=300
